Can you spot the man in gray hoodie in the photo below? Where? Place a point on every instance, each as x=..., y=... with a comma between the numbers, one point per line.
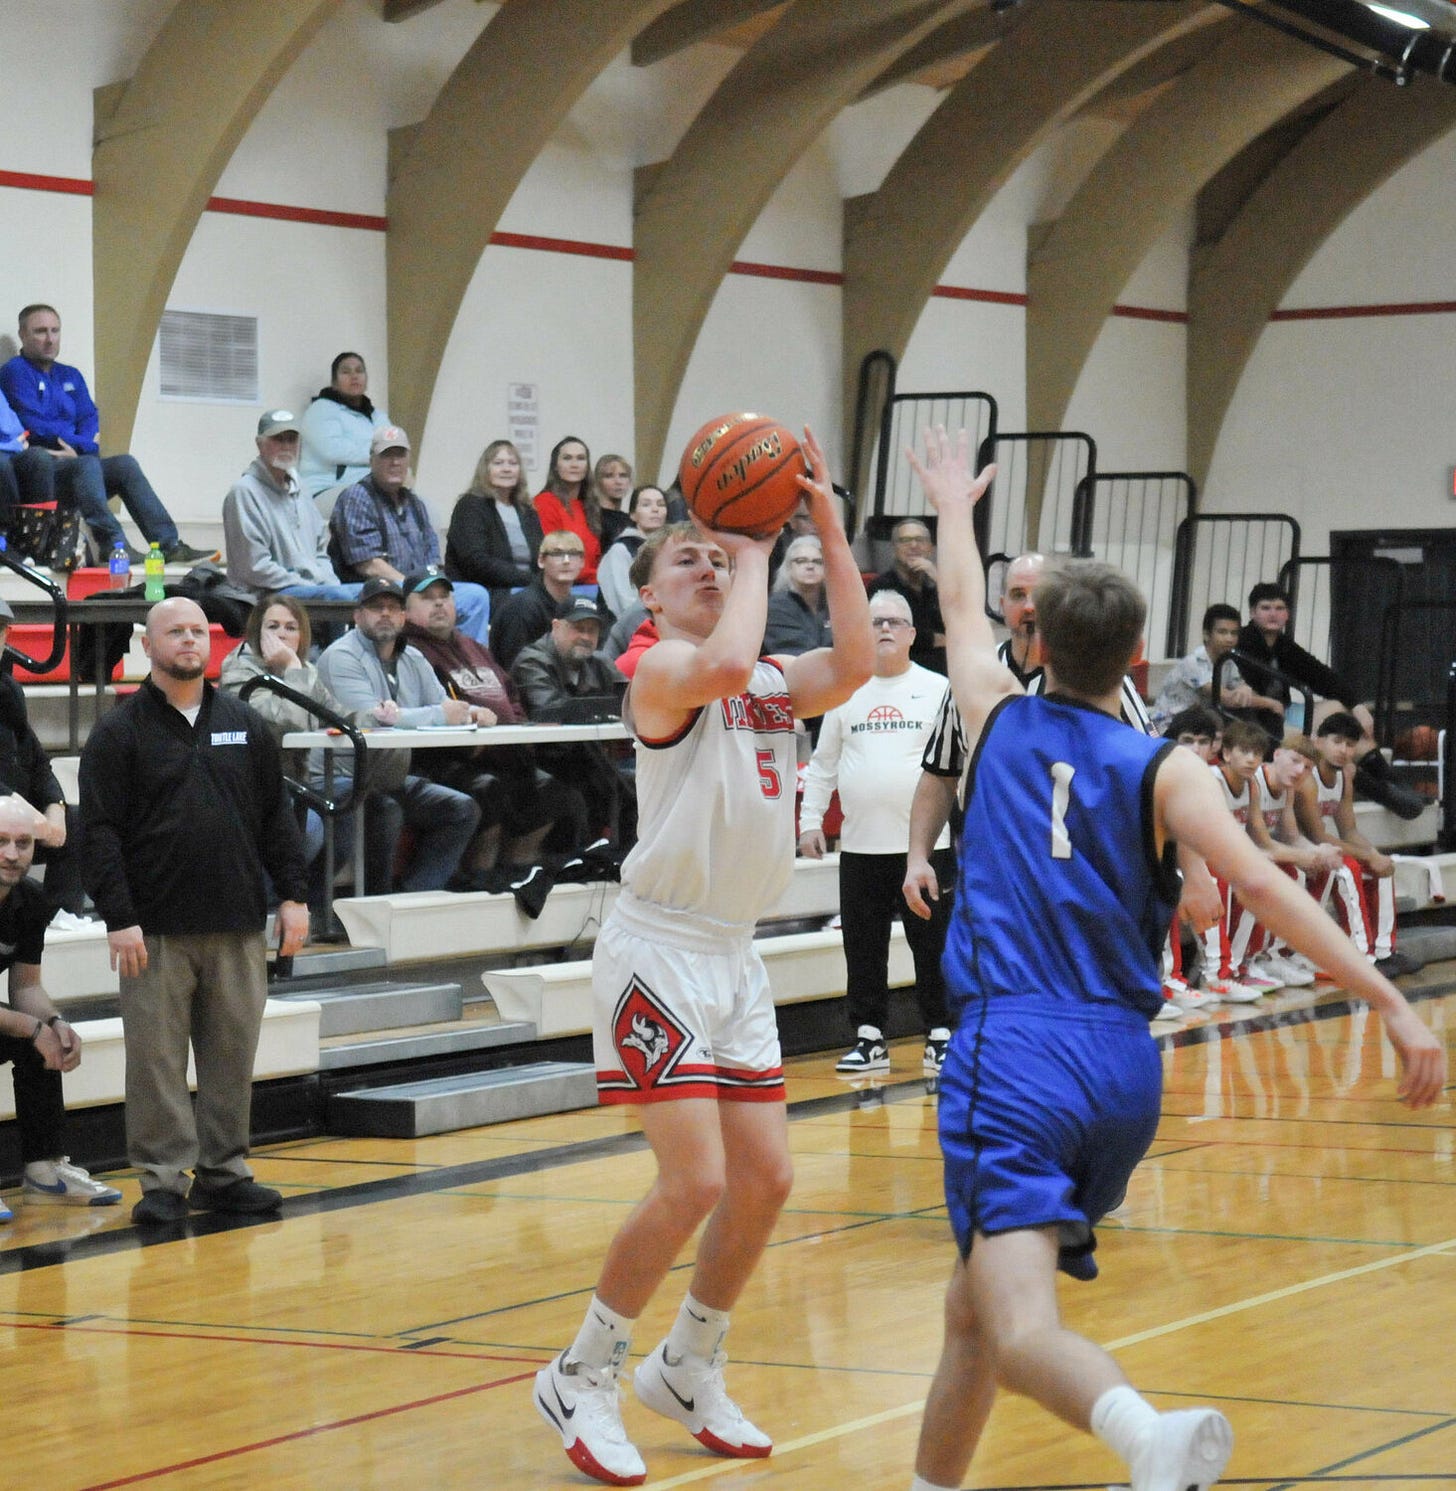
x=276, y=536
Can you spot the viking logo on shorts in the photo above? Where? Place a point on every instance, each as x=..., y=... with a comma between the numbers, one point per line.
x=649, y=1041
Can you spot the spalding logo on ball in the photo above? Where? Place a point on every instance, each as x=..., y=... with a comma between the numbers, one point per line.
x=739, y=473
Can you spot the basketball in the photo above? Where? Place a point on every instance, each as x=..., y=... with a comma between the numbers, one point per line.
x=738, y=473
x=1416, y=744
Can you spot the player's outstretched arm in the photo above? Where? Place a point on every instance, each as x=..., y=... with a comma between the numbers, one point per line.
x=1191, y=811
x=826, y=676
x=978, y=679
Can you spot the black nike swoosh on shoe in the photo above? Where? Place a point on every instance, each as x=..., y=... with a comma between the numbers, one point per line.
x=687, y=1403
x=565, y=1411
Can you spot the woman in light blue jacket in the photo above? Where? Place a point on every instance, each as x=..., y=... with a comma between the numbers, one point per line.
x=337, y=428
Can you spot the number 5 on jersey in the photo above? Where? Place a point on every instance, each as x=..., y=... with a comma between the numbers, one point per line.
x=769, y=779
x=1062, y=774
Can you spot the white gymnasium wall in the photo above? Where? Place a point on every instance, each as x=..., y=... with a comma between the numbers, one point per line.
x=1351, y=423
x=1332, y=414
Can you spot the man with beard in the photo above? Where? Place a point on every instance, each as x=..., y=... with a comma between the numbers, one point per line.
x=183, y=808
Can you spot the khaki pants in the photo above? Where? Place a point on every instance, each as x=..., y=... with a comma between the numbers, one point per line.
x=205, y=990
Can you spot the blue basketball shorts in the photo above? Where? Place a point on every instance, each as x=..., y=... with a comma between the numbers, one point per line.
x=1044, y=1115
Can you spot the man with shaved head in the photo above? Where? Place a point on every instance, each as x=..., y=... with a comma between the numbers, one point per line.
x=35, y=1038
x=184, y=809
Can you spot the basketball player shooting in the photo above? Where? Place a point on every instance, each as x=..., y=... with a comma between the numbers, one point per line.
x=1051, y=1088
x=683, y=1015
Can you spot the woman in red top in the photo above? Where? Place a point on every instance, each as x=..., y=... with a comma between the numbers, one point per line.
x=569, y=501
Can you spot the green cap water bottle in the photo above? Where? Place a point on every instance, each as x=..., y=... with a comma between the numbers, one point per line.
x=156, y=569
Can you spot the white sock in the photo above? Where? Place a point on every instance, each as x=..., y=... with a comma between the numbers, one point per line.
x=603, y=1338
x=921, y=1484
x=1120, y=1419
x=698, y=1330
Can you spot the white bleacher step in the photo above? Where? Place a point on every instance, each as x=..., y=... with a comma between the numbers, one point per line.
x=288, y=1046
x=1393, y=834
x=441, y=1105
x=556, y=997
x=354, y=1008
x=415, y=925
x=424, y=1045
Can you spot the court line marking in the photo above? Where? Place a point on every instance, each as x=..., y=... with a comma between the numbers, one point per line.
x=158, y=1471
x=1171, y=1327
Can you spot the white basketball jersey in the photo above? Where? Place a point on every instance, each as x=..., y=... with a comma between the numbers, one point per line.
x=715, y=806
x=1236, y=802
x=1273, y=803
x=1329, y=798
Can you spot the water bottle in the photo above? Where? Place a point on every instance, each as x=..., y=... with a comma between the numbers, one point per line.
x=120, y=567
x=155, y=568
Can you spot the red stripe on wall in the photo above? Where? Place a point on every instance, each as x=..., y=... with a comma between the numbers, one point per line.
x=785, y=272
x=1344, y=312
x=28, y=181
x=561, y=246
x=239, y=207
x=991, y=297
x=1150, y=313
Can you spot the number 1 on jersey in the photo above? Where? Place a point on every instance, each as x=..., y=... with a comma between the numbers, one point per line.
x=1062, y=774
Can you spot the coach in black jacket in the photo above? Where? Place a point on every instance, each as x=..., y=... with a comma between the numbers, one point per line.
x=183, y=807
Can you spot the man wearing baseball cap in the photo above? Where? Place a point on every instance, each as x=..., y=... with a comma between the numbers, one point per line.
x=276, y=537
x=373, y=670
x=381, y=528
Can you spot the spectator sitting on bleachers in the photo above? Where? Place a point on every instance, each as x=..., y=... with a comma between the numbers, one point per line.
x=25, y=770
x=568, y=503
x=494, y=531
x=646, y=513
x=337, y=427
x=563, y=678
x=798, y=612
x=26, y=474
x=373, y=666
x=1190, y=681
x=519, y=803
x=380, y=529
x=35, y=1039
x=528, y=614
x=278, y=642
x=612, y=481
x=276, y=537
x=53, y=402
x=1264, y=640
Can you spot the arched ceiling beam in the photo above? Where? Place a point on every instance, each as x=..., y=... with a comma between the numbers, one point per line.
x=695, y=209
x=1245, y=84
x=1237, y=282
x=406, y=10
x=956, y=38
x=162, y=140
x=451, y=176
x=898, y=240
x=692, y=21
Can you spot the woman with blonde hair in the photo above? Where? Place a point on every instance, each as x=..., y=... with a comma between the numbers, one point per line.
x=798, y=611
x=494, y=531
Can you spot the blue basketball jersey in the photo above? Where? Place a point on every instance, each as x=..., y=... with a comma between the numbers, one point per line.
x=1062, y=894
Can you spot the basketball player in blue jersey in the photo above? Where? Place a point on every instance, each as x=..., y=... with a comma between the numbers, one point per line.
x=684, y=1021
x=1051, y=1088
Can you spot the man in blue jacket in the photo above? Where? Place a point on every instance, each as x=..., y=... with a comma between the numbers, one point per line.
x=52, y=401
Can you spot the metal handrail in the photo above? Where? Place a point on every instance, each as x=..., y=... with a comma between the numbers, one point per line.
x=58, y=618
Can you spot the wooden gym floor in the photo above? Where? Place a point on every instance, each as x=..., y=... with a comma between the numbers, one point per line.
x=1287, y=1251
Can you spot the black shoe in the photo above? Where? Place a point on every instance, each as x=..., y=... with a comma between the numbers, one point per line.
x=240, y=1196
x=181, y=553
x=1398, y=964
x=136, y=557
x=158, y=1208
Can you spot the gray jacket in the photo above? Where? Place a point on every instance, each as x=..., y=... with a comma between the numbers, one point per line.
x=276, y=536
x=351, y=671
